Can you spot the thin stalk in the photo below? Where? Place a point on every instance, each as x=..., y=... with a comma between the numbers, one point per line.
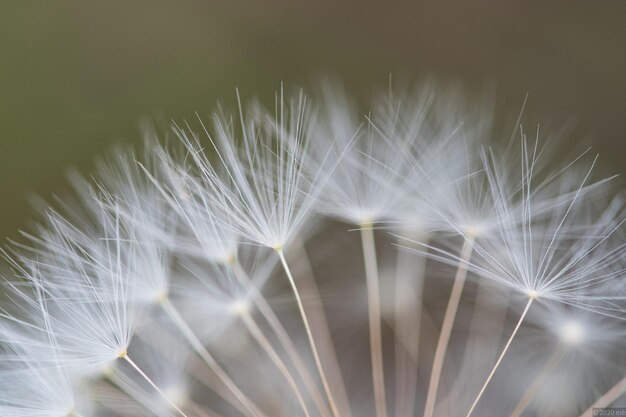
x=165, y=397
x=607, y=399
x=283, y=337
x=407, y=323
x=201, y=350
x=319, y=325
x=533, y=388
x=506, y=347
x=309, y=334
x=258, y=335
x=199, y=373
x=119, y=383
x=487, y=308
x=374, y=315
x=446, y=327
x=122, y=386
x=208, y=380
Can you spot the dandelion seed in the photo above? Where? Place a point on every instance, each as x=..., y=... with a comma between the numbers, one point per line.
x=264, y=195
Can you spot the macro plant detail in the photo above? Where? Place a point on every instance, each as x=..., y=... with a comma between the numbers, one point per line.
x=312, y=259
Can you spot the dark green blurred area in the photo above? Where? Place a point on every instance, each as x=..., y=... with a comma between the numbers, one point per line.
x=76, y=76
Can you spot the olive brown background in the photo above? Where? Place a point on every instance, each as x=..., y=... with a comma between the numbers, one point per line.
x=77, y=76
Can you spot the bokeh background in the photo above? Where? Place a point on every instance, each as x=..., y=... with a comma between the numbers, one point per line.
x=77, y=76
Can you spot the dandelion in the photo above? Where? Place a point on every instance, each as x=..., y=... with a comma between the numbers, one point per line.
x=541, y=256
x=371, y=184
x=175, y=255
x=264, y=194
x=580, y=342
x=219, y=241
x=87, y=298
x=449, y=194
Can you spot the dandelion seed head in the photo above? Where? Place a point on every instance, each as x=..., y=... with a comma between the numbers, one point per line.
x=473, y=231
x=177, y=394
x=154, y=289
x=548, y=254
x=240, y=307
x=533, y=294
x=572, y=332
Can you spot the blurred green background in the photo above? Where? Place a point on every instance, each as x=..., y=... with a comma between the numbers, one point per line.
x=76, y=76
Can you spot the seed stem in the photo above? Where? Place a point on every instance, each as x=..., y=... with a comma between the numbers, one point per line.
x=165, y=397
x=373, y=303
x=533, y=388
x=410, y=271
x=201, y=350
x=446, y=328
x=258, y=335
x=281, y=334
x=307, y=327
x=319, y=324
x=506, y=347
